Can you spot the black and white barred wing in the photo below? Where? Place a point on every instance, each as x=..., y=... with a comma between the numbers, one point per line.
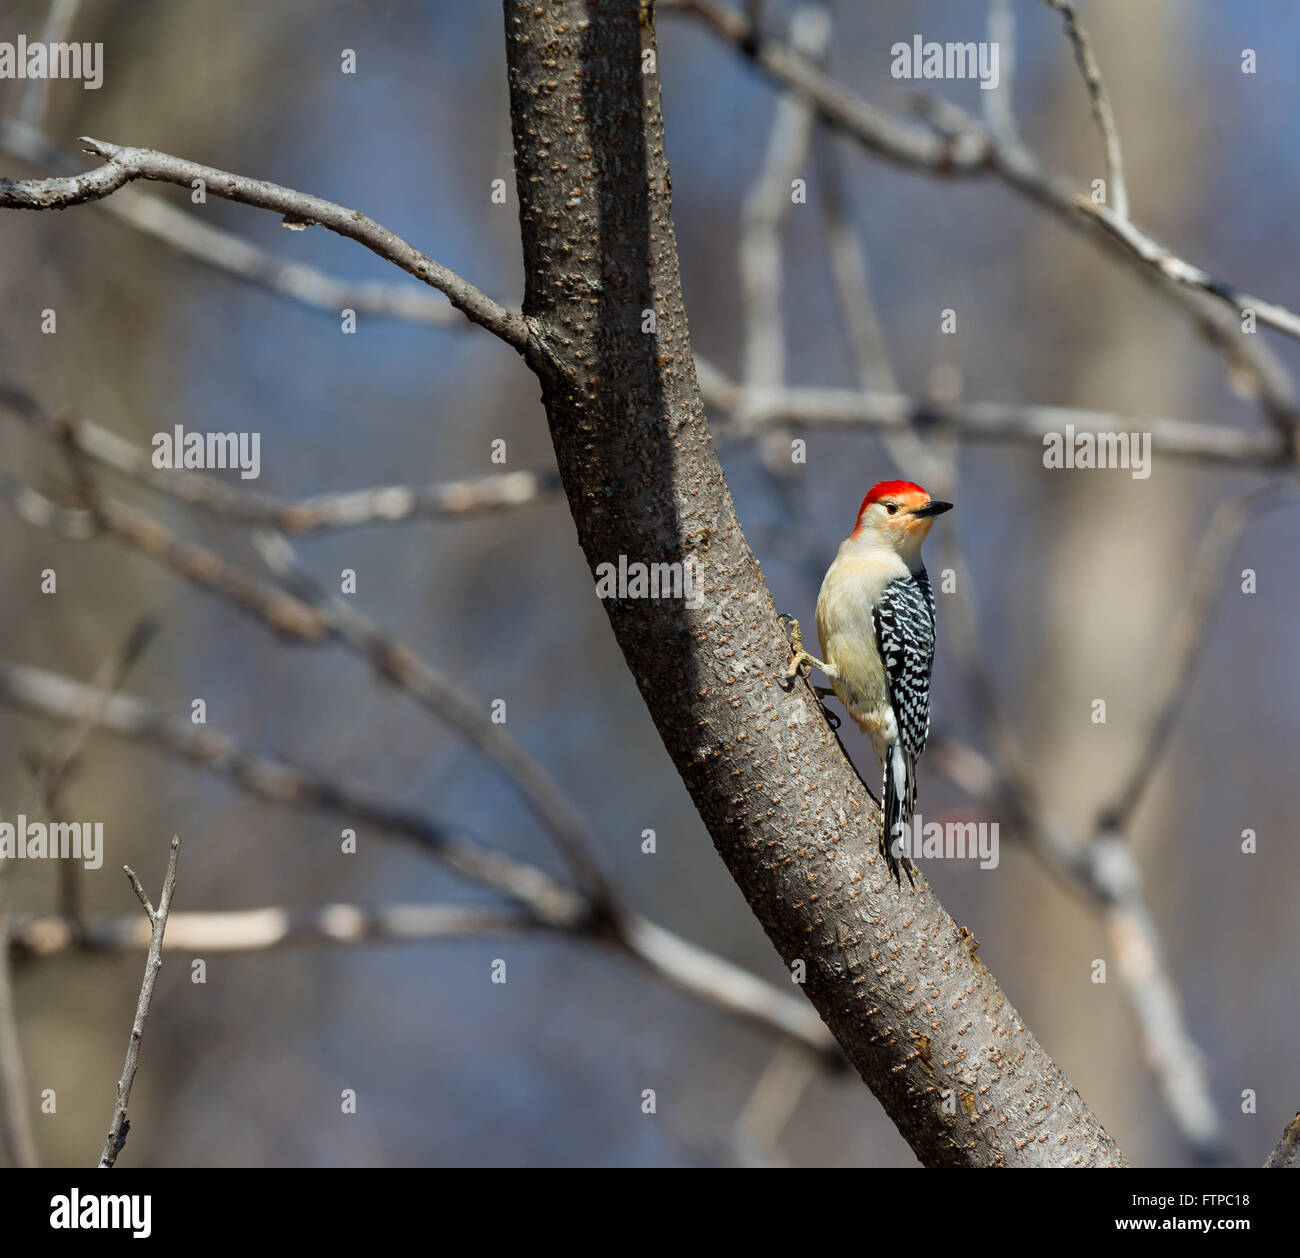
x=904, y=621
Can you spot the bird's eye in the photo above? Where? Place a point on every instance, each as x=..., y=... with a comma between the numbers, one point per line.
x=892, y=508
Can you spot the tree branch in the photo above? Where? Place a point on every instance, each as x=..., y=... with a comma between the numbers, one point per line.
x=119, y=1127
x=897, y=981
x=15, y=1113
x=232, y=255
x=1000, y=422
x=126, y=164
x=382, y=504
x=267, y=929
x=1117, y=192
x=955, y=144
x=549, y=903
x=1181, y=646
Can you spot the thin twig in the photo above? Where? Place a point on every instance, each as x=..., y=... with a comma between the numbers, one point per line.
x=268, y=929
x=851, y=276
x=51, y=771
x=764, y=215
x=398, y=664
x=1104, y=869
x=1117, y=192
x=119, y=1127
x=765, y=211
x=299, y=621
x=549, y=902
x=999, y=422
x=1182, y=646
x=125, y=164
x=311, y=616
x=277, y=781
x=15, y=1101
x=1146, y=250
x=223, y=251
x=382, y=504
x=962, y=147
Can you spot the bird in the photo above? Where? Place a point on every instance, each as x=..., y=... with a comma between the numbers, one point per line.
x=876, y=628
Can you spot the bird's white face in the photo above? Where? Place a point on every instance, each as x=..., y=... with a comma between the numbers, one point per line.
x=899, y=521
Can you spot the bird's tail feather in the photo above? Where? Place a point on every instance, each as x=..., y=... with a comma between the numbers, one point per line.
x=897, y=799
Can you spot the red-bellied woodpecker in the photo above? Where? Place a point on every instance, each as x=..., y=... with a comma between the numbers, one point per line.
x=875, y=623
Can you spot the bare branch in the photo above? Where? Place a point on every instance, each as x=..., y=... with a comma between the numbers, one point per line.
x=108, y=678
x=141, y=894
x=916, y=1011
x=312, y=617
x=61, y=192
x=51, y=771
x=852, y=278
x=269, y=929
x=53, y=695
x=282, y=613
x=15, y=1101
x=1104, y=869
x=382, y=504
x=959, y=146
x=119, y=1127
x=299, y=209
x=397, y=663
x=984, y=421
x=392, y=661
x=765, y=211
x=549, y=903
x=1117, y=192
x=225, y=252
x=897, y=139
x=1181, y=647
x=1146, y=250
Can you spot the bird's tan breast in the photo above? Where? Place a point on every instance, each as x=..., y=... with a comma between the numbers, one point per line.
x=847, y=634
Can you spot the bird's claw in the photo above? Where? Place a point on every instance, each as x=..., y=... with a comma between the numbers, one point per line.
x=797, y=665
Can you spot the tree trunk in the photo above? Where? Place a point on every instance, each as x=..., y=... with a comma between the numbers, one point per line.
x=898, y=982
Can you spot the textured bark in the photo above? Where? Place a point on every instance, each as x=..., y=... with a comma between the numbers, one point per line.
x=899, y=983
x=1286, y=1155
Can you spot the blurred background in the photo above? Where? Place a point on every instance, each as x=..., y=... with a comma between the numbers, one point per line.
x=1078, y=578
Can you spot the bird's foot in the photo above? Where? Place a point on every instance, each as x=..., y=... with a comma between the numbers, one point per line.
x=800, y=661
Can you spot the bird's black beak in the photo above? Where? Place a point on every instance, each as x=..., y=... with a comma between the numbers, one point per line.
x=932, y=508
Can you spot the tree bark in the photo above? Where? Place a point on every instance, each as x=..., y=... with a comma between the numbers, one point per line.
x=898, y=982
